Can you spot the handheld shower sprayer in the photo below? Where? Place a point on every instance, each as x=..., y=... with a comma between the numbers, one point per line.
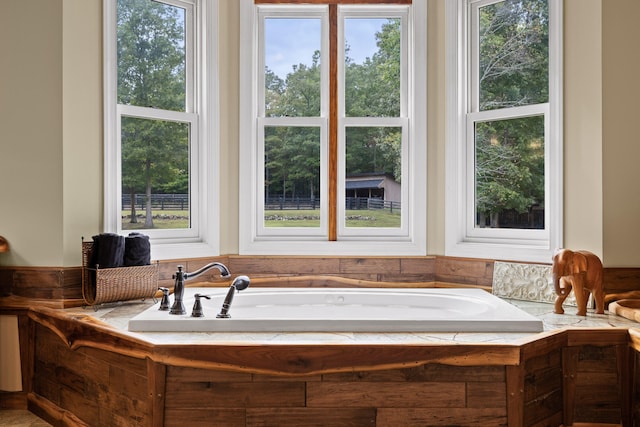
x=240, y=283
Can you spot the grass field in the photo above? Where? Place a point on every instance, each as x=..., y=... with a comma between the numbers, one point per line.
x=161, y=220
x=311, y=218
x=274, y=218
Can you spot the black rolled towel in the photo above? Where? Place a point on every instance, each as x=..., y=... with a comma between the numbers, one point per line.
x=108, y=251
x=137, y=250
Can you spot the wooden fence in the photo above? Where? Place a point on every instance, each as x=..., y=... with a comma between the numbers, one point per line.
x=158, y=201
x=181, y=202
x=351, y=203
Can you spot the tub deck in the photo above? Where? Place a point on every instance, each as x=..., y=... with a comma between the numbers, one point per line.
x=248, y=379
x=343, y=310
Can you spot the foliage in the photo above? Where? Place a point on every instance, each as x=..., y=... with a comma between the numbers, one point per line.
x=514, y=53
x=292, y=154
x=151, y=73
x=509, y=153
x=513, y=72
x=151, y=55
x=372, y=89
x=509, y=166
x=292, y=158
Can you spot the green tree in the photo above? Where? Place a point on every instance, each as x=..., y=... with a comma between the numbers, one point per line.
x=292, y=154
x=514, y=53
x=372, y=89
x=151, y=73
x=509, y=167
x=513, y=71
x=153, y=152
x=292, y=164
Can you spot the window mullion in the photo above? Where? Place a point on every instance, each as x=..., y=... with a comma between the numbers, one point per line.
x=333, y=123
x=156, y=113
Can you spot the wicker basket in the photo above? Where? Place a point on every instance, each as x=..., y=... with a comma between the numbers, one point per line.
x=103, y=285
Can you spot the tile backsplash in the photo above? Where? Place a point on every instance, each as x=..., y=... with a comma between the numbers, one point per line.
x=528, y=282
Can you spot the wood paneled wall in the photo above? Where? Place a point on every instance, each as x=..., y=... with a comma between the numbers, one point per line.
x=64, y=285
x=47, y=283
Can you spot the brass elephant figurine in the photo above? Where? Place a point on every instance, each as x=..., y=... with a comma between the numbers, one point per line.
x=582, y=272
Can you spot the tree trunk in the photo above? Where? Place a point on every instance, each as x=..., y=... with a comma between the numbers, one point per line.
x=284, y=189
x=495, y=220
x=148, y=221
x=134, y=215
x=482, y=220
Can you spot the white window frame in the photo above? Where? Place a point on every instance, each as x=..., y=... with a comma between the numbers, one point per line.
x=202, y=237
x=320, y=122
x=402, y=122
x=462, y=237
x=254, y=238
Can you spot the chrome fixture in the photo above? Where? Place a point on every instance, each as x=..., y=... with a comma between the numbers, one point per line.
x=197, y=306
x=183, y=276
x=164, y=303
x=240, y=283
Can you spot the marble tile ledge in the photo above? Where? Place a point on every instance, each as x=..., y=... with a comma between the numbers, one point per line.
x=118, y=315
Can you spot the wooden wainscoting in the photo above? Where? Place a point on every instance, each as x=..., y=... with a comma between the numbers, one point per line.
x=63, y=285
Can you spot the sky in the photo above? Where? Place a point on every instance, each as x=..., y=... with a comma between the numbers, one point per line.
x=292, y=41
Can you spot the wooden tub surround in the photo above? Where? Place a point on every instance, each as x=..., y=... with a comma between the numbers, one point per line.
x=83, y=368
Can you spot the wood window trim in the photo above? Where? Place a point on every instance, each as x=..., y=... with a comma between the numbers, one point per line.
x=333, y=96
x=333, y=123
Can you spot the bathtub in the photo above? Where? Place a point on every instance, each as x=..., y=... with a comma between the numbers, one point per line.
x=343, y=310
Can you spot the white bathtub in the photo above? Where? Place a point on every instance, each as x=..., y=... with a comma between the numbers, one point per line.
x=343, y=310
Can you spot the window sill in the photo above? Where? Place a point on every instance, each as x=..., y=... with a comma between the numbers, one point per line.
x=339, y=248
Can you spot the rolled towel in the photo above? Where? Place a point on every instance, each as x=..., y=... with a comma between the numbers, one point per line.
x=108, y=250
x=137, y=250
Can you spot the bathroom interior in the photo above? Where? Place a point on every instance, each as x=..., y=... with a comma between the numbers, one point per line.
x=73, y=365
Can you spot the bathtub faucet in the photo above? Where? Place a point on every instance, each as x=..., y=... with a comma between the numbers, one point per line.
x=182, y=276
x=240, y=283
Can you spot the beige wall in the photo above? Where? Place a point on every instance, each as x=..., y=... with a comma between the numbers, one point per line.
x=583, y=125
x=229, y=49
x=31, y=213
x=82, y=124
x=621, y=141
x=435, y=126
x=51, y=128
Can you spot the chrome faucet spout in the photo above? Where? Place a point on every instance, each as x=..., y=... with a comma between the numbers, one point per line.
x=181, y=276
x=224, y=271
x=240, y=283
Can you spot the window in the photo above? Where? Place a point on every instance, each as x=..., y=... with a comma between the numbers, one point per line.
x=160, y=139
x=504, y=147
x=333, y=128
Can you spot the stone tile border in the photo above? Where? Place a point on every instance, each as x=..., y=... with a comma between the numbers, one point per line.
x=527, y=282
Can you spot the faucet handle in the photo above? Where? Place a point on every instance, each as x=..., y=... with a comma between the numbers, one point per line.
x=178, y=274
x=197, y=305
x=164, y=303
